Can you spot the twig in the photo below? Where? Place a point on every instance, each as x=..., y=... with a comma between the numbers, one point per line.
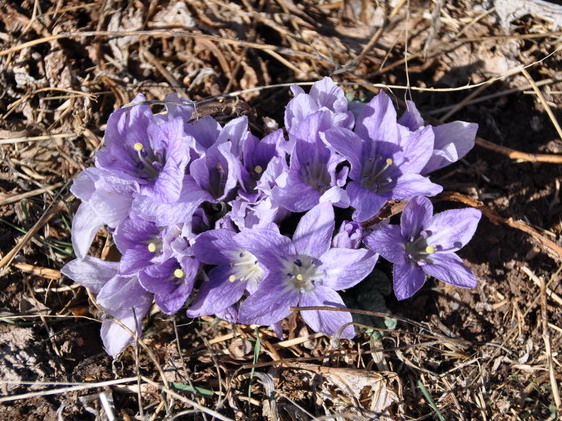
x=64, y=390
x=162, y=33
x=543, y=102
x=513, y=154
x=551, y=294
x=46, y=217
x=539, y=281
x=8, y=141
x=188, y=401
x=40, y=271
x=17, y=197
x=496, y=219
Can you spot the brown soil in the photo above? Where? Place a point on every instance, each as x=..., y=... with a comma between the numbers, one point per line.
x=488, y=353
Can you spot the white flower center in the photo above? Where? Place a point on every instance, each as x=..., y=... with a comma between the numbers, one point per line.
x=245, y=268
x=302, y=273
x=418, y=250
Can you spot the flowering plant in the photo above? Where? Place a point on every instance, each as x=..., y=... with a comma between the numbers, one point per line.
x=195, y=209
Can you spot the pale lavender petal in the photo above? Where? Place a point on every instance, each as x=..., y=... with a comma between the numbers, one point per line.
x=168, y=185
x=408, y=279
x=448, y=267
x=85, y=225
x=418, y=148
x=456, y=139
x=120, y=292
x=328, y=94
x=417, y=214
x=410, y=185
x=217, y=293
x=346, y=267
x=327, y=322
x=90, y=272
x=234, y=131
x=205, y=130
x=349, y=145
x=366, y=203
x=135, y=259
x=294, y=194
x=297, y=109
x=314, y=231
x=115, y=338
x=267, y=245
x=451, y=230
x=336, y=196
x=377, y=120
x=164, y=214
x=411, y=118
x=388, y=242
x=269, y=304
x=215, y=247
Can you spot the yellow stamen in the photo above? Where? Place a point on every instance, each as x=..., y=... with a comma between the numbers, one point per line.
x=178, y=273
x=152, y=247
x=232, y=278
x=389, y=161
x=258, y=169
x=138, y=147
x=430, y=249
x=299, y=277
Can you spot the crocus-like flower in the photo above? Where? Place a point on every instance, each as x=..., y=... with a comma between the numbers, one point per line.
x=324, y=95
x=386, y=158
x=120, y=296
x=452, y=140
x=153, y=152
x=106, y=200
x=237, y=270
x=161, y=257
x=350, y=235
x=424, y=244
x=312, y=177
x=303, y=271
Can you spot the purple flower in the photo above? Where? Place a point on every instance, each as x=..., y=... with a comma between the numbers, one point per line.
x=152, y=151
x=385, y=157
x=452, y=140
x=236, y=272
x=120, y=296
x=171, y=282
x=303, y=271
x=350, y=235
x=424, y=244
x=324, y=95
x=217, y=172
x=106, y=200
x=312, y=177
x=256, y=155
x=163, y=259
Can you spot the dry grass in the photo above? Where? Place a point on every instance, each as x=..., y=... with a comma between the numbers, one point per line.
x=491, y=353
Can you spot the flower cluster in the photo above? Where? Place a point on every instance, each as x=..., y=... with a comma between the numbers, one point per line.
x=213, y=219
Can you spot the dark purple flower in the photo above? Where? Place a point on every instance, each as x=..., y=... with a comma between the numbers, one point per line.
x=386, y=158
x=303, y=271
x=152, y=151
x=162, y=257
x=171, y=282
x=452, y=140
x=217, y=172
x=425, y=244
x=237, y=271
